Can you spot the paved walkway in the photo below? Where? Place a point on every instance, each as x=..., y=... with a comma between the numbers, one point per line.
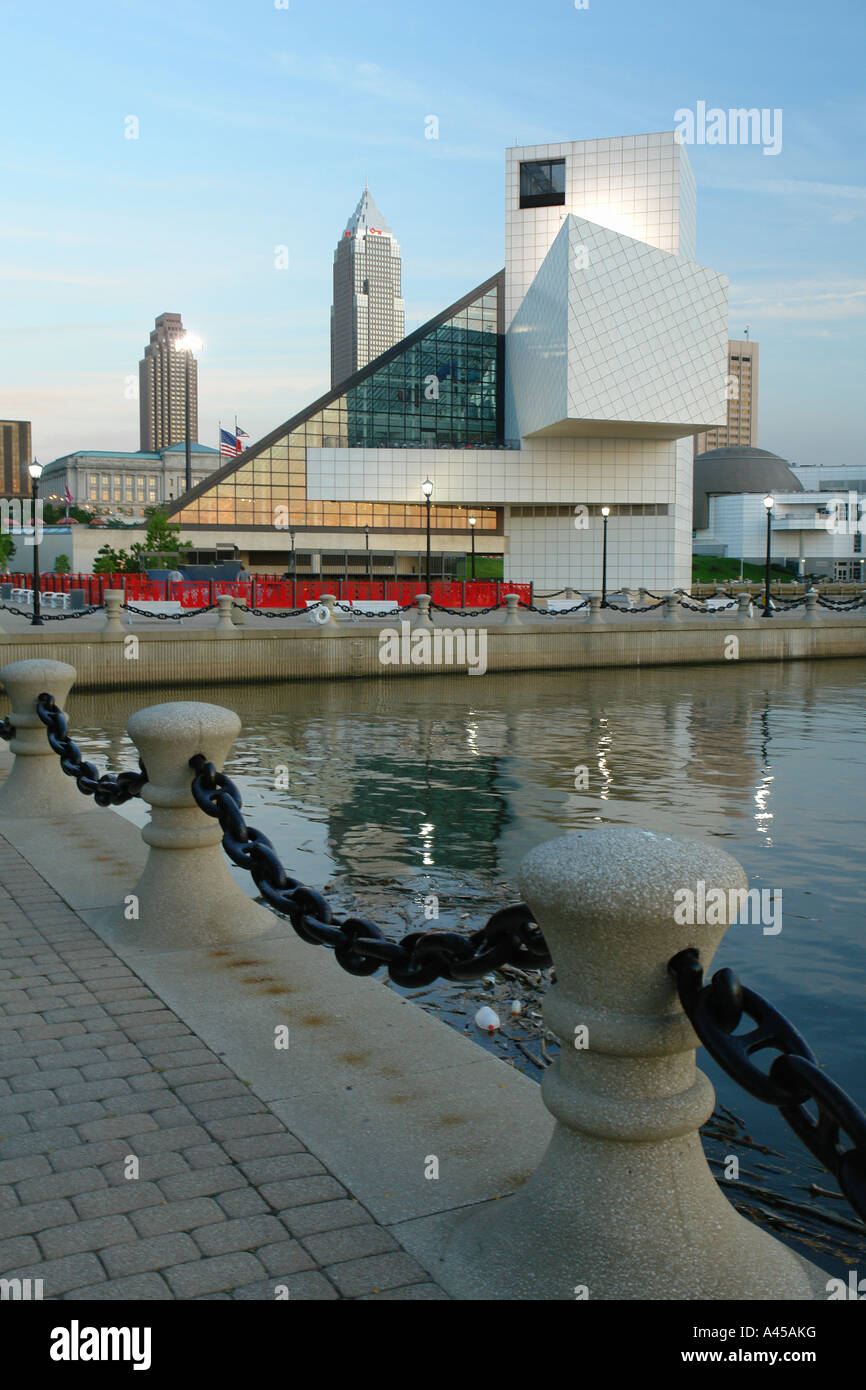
x=134, y=1164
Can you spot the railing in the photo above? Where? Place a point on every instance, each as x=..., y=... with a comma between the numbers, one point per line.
x=624, y=1202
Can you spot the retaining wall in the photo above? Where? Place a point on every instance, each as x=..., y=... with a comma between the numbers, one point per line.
x=178, y=658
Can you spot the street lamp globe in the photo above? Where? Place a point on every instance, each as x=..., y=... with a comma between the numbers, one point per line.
x=472, y=521
x=35, y=470
x=427, y=488
x=769, y=502
x=605, y=511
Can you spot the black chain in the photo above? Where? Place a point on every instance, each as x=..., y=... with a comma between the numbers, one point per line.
x=105, y=790
x=621, y=608
x=51, y=617
x=794, y=1078
x=509, y=937
x=553, y=612
x=274, y=612
x=7, y=730
x=184, y=613
x=841, y=605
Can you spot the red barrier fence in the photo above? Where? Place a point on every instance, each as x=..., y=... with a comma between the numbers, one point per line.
x=272, y=591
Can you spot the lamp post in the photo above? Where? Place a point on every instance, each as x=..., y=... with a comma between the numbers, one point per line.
x=605, y=512
x=35, y=474
x=768, y=612
x=294, y=565
x=188, y=344
x=369, y=556
x=472, y=524
x=427, y=489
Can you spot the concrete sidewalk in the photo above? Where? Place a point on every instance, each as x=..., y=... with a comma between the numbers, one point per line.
x=136, y=1164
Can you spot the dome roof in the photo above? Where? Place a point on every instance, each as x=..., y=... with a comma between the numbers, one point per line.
x=732, y=470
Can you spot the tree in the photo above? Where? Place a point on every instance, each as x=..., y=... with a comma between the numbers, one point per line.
x=62, y=564
x=110, y=561
x=162, y=538
x=7, y=550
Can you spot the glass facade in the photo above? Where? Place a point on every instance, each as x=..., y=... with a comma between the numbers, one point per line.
x=441, y=386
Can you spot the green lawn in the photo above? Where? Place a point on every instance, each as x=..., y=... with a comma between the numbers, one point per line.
x=707, y=569
x=486, y=567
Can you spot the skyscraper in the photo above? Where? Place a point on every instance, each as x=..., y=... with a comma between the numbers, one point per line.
x=162, y=375
x=368, y=313
x=742, y=399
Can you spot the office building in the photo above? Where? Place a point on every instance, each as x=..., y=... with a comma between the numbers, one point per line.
x=368, y=313
x=741, y=389
x=162, y=375
x=15, y=456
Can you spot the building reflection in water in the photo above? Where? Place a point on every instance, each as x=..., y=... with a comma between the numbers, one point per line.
x=465, y=774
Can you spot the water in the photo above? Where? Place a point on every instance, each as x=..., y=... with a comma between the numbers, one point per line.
x=402, y=789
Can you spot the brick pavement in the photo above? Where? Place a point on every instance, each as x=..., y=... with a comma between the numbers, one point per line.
x=134, y=1164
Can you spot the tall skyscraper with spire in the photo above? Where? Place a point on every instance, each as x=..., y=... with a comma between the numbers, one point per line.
x=162, y=377
x=368, y=314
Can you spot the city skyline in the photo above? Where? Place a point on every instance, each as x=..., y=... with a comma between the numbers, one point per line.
x=120, y=206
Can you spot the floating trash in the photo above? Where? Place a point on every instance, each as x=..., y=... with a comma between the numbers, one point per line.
x=487, y=1020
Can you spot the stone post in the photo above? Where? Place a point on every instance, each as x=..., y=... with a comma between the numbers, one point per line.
x=36, y=786
x=624, y=1204
x=225, y=627
x=744, y=607
x=569, y=593
x=328, y=624
x=422, y=616
x=113, y=599
x=813, y=612
x=238, y=615
x=671, y=607
x=186, y=895
x=512, y=613
x=596, y=614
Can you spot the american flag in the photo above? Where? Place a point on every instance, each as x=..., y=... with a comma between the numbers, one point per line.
x=229, y=445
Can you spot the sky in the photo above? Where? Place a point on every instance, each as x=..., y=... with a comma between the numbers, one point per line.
x=259, y=121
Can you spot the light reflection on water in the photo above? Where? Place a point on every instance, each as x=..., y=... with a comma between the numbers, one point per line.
x=442, y=786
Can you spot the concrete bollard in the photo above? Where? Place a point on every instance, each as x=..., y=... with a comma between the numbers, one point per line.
x=328, y=624
x=422, y=616
x=186, y=895
x=813, y=612
x=512, y=612
x=624, y=1204
x=596, y=613
x=36, y=786
x=113, y=599
x=671, y=607
x=744, y=607
x=225, y=627
x=238, y=615
x=569, y=593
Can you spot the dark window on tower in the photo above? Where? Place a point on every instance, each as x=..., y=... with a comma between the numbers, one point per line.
x=542, y=183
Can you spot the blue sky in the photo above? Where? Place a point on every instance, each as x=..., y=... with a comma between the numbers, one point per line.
x=259, y=126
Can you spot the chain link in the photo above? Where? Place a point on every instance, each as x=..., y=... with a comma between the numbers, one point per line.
x=510, y=936
x=105, y=790
x=175, y=617
x=51, y=617
x=794, y=1078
